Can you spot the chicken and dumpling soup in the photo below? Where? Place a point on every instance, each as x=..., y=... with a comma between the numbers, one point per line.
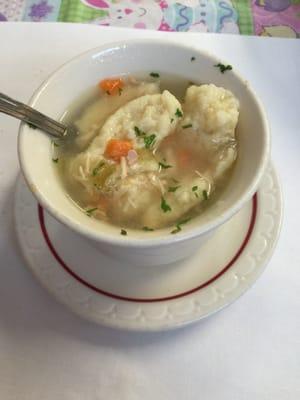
x=150, y=153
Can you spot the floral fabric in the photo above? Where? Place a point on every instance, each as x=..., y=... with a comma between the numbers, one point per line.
x=250, y=17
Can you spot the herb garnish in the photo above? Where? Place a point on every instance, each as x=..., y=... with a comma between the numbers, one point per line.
x=164, y=205
x=173, y=189
x=120, y=91
x=174, y=180
x=187, y=126
x=123, y=232
x=90, y=211
x=193, y=58
x=164, y=166
x=138, y=132
x=55, y=144
x=194, y=189
x=97, y=168
x=149, y=141
x=154, y=74
x=205, y=194
x=223, y=67
x=178, y=113
x=178, y=225
x=31, y=126
x=146, y=229
x=171, y=120
x=55, y=160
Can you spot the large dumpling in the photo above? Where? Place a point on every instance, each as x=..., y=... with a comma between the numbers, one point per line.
x=213, y=113
x=212, y=110
x=145, y=121
x=93, y=118
x=145, y=116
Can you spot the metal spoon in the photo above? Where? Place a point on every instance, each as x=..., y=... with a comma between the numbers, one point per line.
x=34, y=118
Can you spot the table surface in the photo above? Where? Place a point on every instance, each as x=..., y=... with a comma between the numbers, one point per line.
x=251, y=350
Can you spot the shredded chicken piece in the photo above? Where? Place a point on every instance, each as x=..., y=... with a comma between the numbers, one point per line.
x=124, y=172
x=87, y=163
x=82, y=173
x=206, y=180
x=162, y=189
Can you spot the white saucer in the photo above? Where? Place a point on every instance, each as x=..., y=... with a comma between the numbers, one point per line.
x=155, y=298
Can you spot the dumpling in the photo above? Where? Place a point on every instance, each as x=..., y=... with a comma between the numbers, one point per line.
x=213, y=112
x=93, y=118
x=144, y=116
x=149, y=116
x=133, y=195
x=187, y=196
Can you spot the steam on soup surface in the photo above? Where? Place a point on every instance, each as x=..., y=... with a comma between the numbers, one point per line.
x=146, y=159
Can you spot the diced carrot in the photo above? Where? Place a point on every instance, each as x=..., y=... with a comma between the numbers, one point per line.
x=183, y=157
x=117, y=148
x=112, y=86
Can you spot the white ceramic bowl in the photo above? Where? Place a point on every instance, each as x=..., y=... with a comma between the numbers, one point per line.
x=64, y=85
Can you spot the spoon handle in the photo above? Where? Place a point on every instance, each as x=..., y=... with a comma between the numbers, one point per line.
x=32, y=117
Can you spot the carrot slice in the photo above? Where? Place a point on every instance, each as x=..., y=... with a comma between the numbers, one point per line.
x=112, y=86
x=116, y=148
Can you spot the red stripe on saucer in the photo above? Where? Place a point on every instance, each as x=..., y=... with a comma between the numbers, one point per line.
x=148, y=300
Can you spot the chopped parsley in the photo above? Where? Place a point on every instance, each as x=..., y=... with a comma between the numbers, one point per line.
x=146, y=229
x=55, y=144
x=55, y=160
x=154, y=74
x=164, y=205
x=187, y=126
x=138, y=132
x=194, y=189
x=123, y=232
x=120, y=91
x=149, y=141
x=31, y=125
x=193, y=58
x=178, y=113
x=172, y=120
x=173, y=189
x=97, y=168
x=205, y=194
x=176, y=230
x=179, y=224
x=90, y=211
x=164, y=166
x=223, y=67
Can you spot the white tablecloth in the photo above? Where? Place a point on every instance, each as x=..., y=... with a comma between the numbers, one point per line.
x=251, y=350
